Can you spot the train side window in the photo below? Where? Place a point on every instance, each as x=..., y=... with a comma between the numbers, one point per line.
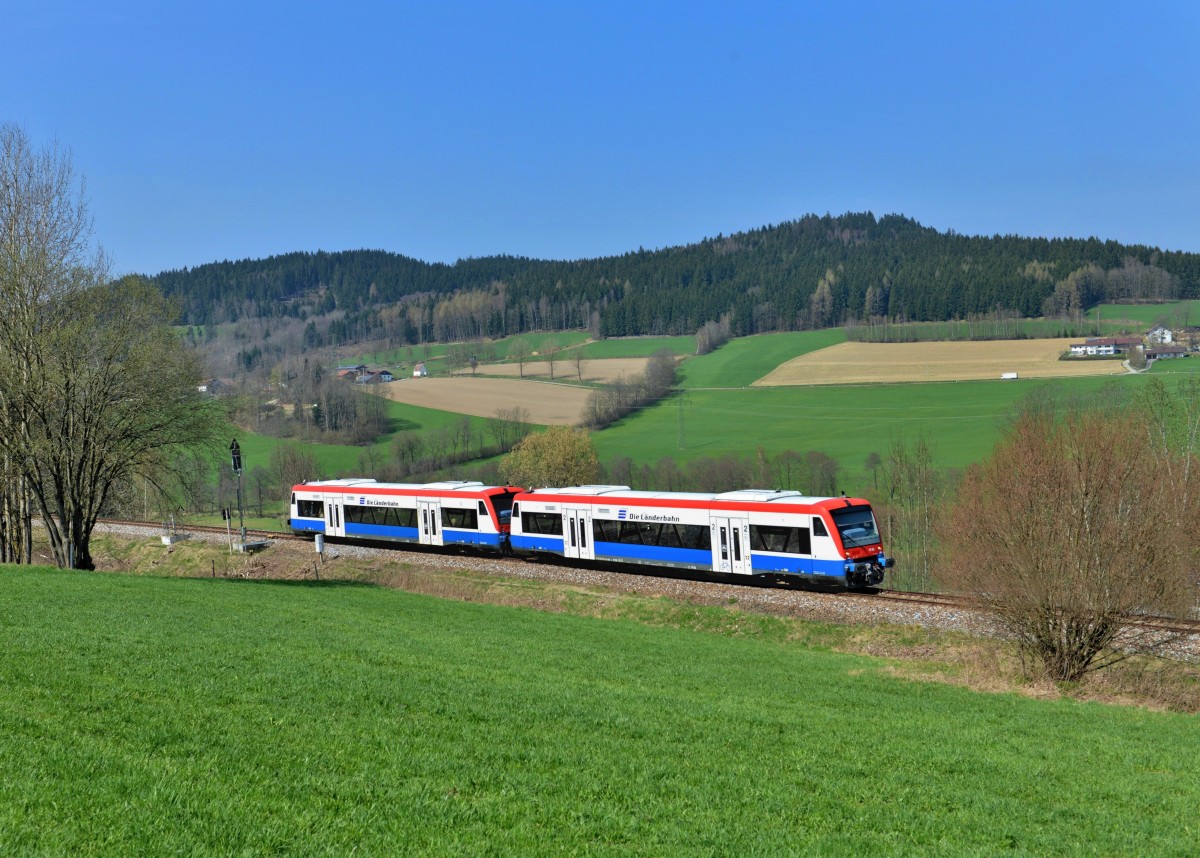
x=819, y=527
x=460, y=519
x=547, y=523
x=310, y=509
x=780, y=540
x=737, y=544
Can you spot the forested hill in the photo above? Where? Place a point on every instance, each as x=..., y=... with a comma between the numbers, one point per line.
x=813, y=272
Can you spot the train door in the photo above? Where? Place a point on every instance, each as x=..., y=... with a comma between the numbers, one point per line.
x=429, y=513
x=731, y=544
x=335, y=524
x=823, y=547
x=577, y=533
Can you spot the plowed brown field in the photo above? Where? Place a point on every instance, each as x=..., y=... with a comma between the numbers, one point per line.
x=851, y=363
x=547, y=403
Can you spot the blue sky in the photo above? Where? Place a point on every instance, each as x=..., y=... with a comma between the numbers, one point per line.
x=217, y=130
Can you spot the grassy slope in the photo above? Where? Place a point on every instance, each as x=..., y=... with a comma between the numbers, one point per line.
x=746, y=359
x=630, y=347
x=345, y=458
x=1181, y=312
x=145, y=716
x=960, y=419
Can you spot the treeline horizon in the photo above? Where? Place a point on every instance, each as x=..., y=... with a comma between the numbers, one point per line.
x=814, y=272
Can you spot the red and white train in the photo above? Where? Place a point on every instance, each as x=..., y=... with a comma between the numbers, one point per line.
x=754, y=532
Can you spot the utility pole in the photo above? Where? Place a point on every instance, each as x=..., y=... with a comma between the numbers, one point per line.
x=682, y=401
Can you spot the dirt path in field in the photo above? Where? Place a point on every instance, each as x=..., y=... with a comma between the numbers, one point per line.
x=857, y=363
x=548, y=404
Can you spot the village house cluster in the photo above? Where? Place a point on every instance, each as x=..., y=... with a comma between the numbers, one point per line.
x=1157, y=343
x=362, y=374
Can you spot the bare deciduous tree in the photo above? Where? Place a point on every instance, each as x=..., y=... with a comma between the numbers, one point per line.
x=291, y=464
x=1074, y=525
x=509, y=426
x=913, y=493
x=518, y=350
x=95, y=389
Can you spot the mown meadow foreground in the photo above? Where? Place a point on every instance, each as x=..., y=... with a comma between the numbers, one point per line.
x=149, y=715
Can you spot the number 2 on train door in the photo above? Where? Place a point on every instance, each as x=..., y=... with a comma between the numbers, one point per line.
x=730, y=545
x=430, y=511
x=577, y=532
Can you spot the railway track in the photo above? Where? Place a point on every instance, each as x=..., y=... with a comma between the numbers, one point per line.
x=873, y=596
x=941, y=600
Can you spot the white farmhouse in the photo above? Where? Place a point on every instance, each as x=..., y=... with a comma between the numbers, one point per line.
x=1160, y=335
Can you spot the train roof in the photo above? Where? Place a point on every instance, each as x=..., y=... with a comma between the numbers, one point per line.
x=366, y=483
x=624, y=493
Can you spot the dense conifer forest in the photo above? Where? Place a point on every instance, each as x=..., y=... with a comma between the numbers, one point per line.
x=809, y=273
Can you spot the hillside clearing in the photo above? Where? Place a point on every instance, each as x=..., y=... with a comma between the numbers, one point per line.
x=548, y=404
x=858, y=363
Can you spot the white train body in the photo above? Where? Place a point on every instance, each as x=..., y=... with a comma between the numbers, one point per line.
x=445, y=513
x=752, y=532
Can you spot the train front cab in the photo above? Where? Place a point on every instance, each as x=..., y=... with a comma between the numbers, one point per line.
x=858, y=542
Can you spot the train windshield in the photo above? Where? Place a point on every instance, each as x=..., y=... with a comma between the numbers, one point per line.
x=503, y=505
x=856, y=526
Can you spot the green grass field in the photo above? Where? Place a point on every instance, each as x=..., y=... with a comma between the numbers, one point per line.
x=744, y=360
x=154, y=716
x=1178, y=312
x=960, y=419
x=633, y=347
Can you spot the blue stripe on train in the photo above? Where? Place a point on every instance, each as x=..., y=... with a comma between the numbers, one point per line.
x=471, y=537
x=525, y=542
x=383, y=531
x=411, y=534
x=307, y=524
x=692, y=558
x=784, y=564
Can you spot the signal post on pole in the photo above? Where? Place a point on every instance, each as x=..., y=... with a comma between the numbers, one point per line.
x=235, y=453
x=235, y=456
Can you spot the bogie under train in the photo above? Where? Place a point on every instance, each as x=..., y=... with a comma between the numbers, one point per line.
x=783, y=534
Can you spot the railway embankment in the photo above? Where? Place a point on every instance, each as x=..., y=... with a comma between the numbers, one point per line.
x=932, y=638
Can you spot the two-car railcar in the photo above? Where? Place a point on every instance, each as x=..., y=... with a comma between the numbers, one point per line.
x=754, y=532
